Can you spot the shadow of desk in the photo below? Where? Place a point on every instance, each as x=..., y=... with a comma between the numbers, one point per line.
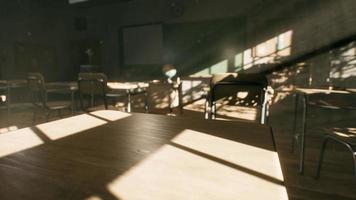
x=115, y=155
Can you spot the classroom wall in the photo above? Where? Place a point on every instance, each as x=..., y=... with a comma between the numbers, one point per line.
x=138, y=12
x=314, y=24
x=48, y=30
x=34, y=37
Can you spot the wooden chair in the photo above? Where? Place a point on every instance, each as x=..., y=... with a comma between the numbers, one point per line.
x=92, y=85
x=246, y=92
x=95, y=85
x=39, y=97
x=344, y=136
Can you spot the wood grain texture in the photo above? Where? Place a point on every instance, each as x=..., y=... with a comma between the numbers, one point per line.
x=115, y=155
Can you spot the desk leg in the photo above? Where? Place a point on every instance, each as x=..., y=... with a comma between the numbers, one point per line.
x=295, y=135
x=180, y=99
x=206, y=109
x=8, y=103
x=302, y=142
x=146, y=102
x=128, y=102
x=73, y=101
x=170, y=101
x=213, y=110
x=92, y=100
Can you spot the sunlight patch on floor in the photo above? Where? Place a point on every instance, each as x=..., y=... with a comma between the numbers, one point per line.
x=8, y=129
x=110, y=115
x=175, y=173
x=19, y=140
x=69, y=126
x=251, y=157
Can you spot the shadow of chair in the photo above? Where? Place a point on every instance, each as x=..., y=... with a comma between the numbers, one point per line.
x=244, y=96
x=39, y=97
x=344, y=136
x=95, y=85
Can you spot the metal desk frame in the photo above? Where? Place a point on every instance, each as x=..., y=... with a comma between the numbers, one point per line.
x=300, y=94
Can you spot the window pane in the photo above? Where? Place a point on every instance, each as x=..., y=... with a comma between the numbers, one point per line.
x=220, y=67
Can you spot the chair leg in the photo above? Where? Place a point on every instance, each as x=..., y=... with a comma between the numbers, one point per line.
x=34, y=116
x=263, y=114
x=273, y=140
x=81, y=102
x=206, y=112
x=213, y=110
x=70, y=109
x=354, y=157
x=146, y=102
x=60, y=113
x=105, y=103
x=128, y=109
x=73, y=101
x=303, y=134
x=296, y=100
x=47, y=115
x=295, y=139
x=321, y=158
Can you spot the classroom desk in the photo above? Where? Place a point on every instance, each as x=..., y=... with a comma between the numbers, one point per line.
x=115, y=155
x=130, y=88
x=304, y=94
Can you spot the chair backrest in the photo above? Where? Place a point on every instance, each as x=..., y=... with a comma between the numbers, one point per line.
x=36, y=86
x=246, y=90
x=257, y=79
x=93, y=84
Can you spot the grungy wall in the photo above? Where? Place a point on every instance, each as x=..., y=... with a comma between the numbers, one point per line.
x=42, y=36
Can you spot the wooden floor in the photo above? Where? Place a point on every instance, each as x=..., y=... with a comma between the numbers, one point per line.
x=336, y=181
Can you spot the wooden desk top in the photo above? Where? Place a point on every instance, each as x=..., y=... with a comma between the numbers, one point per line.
x=126, y=85
x=309, y=91
x=332, y=99
x=353, y=90
x=115, y=155
x=111, y=85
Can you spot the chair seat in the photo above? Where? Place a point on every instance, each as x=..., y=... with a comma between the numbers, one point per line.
x=116, y=94
x=237, y=112
x=347, y=135
x=56, y=105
